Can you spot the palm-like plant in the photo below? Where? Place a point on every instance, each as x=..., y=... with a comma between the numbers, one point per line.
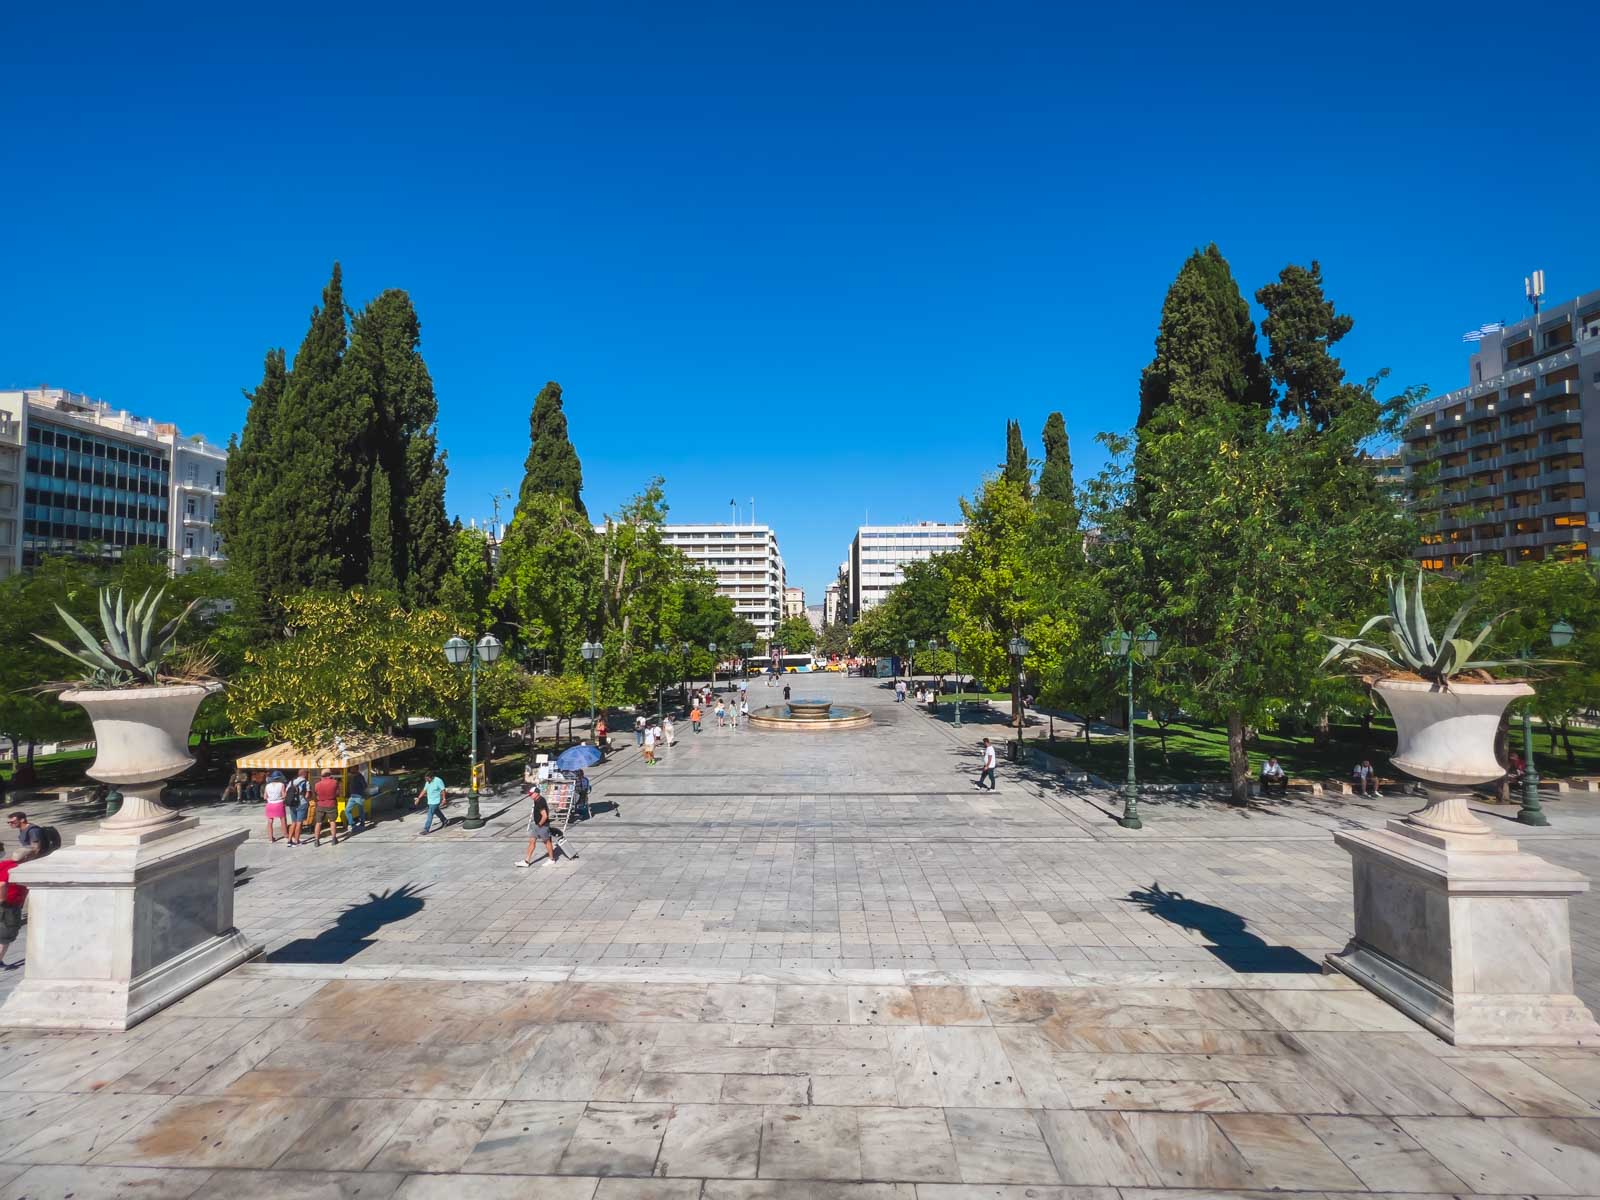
x=132, y=649
x=1412, y=646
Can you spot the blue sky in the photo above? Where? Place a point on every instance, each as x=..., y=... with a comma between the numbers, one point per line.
x=816, y=255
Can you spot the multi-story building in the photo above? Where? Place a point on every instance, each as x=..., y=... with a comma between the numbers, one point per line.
x=879, y=553
x=1503, y=466
x=95, y=476
x=747, y=565
x=794, y=602
x=833, y=607
x=10, y=485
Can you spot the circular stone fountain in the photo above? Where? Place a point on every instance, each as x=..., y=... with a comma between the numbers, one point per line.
x=810, y=715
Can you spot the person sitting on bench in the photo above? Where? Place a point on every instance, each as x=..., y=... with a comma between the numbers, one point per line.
x=1365, y=780
x=1273, y=776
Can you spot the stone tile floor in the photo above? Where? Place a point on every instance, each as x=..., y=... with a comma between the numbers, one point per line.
x=808, y=966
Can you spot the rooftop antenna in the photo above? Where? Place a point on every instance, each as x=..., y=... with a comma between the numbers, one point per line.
x=1533, y=285
x=752, y=510
x=734, y=504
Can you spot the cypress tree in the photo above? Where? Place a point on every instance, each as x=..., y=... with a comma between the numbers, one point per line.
x=552, y=467
x=380, y=568
x=1206, y=354
x=321, y=491
x=1016, y=468
x=244, y=518
x=1055, y=477
x=1301, y=326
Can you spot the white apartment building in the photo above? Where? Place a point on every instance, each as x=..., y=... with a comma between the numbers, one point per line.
x=747, y=565
x=76, y=472
x=879, y=553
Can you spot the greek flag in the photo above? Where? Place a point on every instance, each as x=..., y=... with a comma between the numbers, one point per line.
x=1477, y=334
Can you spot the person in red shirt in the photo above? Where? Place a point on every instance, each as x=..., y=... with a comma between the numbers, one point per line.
x=11, y=897
x=326, y=808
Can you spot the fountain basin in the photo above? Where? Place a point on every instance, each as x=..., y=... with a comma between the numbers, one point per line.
x=811, y=715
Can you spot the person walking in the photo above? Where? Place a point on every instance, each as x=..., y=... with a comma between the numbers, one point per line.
x=650, y=746
x=30, y=837
x=298, y=801
x=538, y=831
x=744, y=712
x=325, y=808
x=722, y=715
x=988, y=765
x=355, y=802
x=274, y=794
x=667, y=732
x=433, y=791
x=638, y=730
x=694, y=717
x=786, y=693
x=581, y=787
x=12, y=896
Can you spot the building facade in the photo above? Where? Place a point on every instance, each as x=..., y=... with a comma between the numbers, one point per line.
x=1504, y=466
x=794, y=602
x=833, y=607
x=95, y=476
x=746, y=563
x=879, y=553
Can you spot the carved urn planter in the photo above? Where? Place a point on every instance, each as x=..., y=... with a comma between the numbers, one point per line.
x=141, y=740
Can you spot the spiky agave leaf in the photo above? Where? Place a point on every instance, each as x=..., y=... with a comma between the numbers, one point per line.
x=90, y=643
x=97, y=665
x=115, y=644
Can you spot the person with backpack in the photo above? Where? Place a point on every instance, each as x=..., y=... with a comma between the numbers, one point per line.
x=297, y=800
x=12, y=896
x=33, y=841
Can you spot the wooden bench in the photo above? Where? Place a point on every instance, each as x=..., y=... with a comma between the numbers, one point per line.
x=1569, y=786
x=79, y=797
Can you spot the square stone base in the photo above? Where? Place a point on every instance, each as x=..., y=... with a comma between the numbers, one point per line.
x=122, y=925
x=1467, y=935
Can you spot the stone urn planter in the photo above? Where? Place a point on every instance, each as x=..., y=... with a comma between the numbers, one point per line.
x=141, y=740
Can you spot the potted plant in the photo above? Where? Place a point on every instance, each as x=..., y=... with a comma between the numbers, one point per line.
x=1446, y=706
x=141, y=713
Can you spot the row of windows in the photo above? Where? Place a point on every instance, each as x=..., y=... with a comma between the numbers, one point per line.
x=42, y=433
x=90, y=526
x=115, y=504
x=58, y=464
x=65, y=536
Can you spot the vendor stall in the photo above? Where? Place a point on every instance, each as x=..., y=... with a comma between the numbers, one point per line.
x=341, y=757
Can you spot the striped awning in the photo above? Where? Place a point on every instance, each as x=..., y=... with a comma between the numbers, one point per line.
x=347, y=752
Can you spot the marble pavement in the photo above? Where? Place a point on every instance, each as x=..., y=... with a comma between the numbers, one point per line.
x=806, y=967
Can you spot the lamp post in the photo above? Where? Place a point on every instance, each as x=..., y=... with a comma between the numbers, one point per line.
x=744, y=651
x=712, y=646
x=591, y=652
x=661, y=648
x=932, y=646
x=1019, y=648
x=959, y=686
x=911, y=660
x=461, y=653
x=1531, y=813
x=1119, y=644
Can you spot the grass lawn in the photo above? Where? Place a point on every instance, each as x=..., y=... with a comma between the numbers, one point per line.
x=1199, y=753
x=68, y=767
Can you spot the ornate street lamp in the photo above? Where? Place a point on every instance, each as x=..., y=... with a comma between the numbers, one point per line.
x=744, y=660
x=463, y=653
x=712, y=646
x=1130, y=646
x=1531, y=813
x=1020, y=649
x=911, y=659
x=592, y=652
x=661, y=648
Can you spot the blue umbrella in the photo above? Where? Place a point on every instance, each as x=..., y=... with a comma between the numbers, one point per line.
x=578, y=757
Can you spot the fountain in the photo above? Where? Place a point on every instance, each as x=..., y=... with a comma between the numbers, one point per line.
x=810, y=715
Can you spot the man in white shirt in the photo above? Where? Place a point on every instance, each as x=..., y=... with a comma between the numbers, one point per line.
x=988, y=765
x=1273, y=776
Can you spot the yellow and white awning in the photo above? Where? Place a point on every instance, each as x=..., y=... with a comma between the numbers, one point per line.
x=341, y=755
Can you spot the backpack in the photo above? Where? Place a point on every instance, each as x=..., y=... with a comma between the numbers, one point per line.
x=49, y=840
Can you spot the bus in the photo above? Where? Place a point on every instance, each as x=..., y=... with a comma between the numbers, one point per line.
x=792, y=664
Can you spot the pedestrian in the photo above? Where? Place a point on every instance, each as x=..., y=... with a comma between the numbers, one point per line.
x=650, y=746
x=355, y=802
x=786, y=693
x=274, y=794
x=30, y=837
x=602, y=734
x=694, y=717
x=298, y=799
x=638, y=730
x=538, y=831
x=326, y=808
x=1274, y=776
x=581, y=787
x=722, y=714
x=988, y=765
x=667, y=732
x=12, y=896
x=433, y=791
x=899, y=691
x=744, y=712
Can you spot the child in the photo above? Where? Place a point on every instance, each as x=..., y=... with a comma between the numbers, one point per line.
x=694, y=718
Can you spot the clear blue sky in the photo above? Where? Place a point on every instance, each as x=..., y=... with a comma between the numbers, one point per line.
x=814, y=254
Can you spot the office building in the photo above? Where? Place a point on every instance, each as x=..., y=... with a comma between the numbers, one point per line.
x=93, y=475
x=747, y=565
x=833, y=608
x=794, y=602
x=879, y=553
x=1502, y=466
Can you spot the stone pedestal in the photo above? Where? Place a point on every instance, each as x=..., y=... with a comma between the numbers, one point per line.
x=1465, y=933
x=125, y=922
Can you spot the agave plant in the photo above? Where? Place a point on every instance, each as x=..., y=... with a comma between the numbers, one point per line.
x=1412, y=646
x=132, y=649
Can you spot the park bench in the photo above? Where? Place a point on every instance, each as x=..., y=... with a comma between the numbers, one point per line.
x=1587, y=783
x=79, y=797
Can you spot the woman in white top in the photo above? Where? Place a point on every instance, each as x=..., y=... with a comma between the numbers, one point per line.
x=274, y=794
x=666, y=730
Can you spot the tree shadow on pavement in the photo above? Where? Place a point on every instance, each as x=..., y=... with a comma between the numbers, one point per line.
x=352, y=931
x=1225, y=931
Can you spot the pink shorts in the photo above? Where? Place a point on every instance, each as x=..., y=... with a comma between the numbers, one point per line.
x=275, y=810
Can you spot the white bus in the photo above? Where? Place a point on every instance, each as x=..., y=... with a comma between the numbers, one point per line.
x=797, y=663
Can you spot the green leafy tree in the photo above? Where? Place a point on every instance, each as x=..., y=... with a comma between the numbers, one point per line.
x=1301, y=327
x=1206, y=353
x=244, y=515
x=468, y=588
x=549, y=567
x=351, y=662
x=1017, y=470
x=552, y=467
x=795, y=635
x=834, y=640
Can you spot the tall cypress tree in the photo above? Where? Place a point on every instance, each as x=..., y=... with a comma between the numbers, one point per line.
x=244, y=518
x=386, y=377
x=321, y=491
x=552, y=467
x=381, y=574
x=1301, y=327
x=1055, y=477
x=1016, y=468
x=1206, y=353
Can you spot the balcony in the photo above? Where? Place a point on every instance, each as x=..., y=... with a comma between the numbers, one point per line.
x=1560, y=508
x=1553, y=391
x=1522, y=541
x=196, y=520
x=1487, y=491
x=1554, y=420
x=1564, y=446
x=1562, y=475
x=1489, y=437
x=1448, y=473
x=1516, y=458
x=10, y=432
